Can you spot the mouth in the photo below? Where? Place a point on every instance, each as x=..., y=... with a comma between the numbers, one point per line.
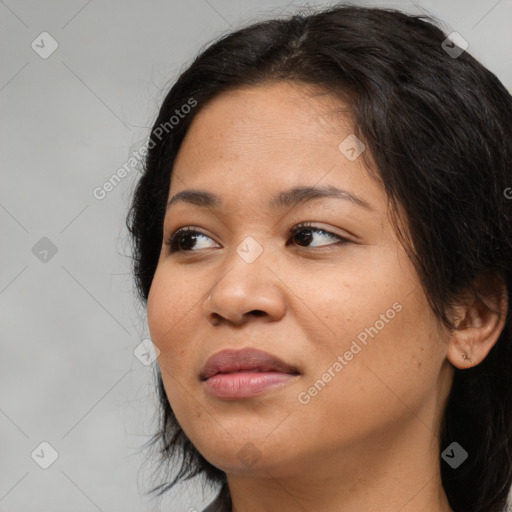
x=245, y=360
x=246, y=373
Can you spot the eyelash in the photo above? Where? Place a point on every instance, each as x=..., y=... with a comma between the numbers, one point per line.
x=172, y=240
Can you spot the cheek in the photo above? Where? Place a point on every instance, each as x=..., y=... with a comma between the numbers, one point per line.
x=340, y=302
x=395, y=357
x=171, y=303
x=156, y=307
x=387, y=381
x=379, y=321
x=172, y=310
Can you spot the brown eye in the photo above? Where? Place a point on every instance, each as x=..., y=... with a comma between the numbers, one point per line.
x=305, y=234
x=184, y=239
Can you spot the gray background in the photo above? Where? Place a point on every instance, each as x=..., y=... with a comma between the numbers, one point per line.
x=69, y=320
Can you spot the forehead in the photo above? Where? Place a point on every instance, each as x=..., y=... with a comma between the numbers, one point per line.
x=264, y=139
x=265, y=117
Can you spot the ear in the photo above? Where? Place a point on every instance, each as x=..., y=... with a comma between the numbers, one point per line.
x=479, y=323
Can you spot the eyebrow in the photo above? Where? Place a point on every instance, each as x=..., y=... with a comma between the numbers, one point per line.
x=284, y=199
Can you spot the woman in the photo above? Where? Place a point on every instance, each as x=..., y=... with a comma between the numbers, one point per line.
x=322, y=237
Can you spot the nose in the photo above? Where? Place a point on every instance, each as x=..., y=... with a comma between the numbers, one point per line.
x=245, y=290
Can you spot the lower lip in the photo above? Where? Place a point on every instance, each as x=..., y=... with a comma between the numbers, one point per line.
x=246, y=384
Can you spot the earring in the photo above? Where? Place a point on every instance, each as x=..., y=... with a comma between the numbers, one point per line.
x=465, y=356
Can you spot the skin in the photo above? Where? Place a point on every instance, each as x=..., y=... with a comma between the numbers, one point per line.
x=369, y=439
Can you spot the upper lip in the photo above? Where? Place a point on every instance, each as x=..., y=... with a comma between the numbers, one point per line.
x=230, y=360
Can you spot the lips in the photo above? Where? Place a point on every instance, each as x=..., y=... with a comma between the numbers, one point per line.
x=248, y=359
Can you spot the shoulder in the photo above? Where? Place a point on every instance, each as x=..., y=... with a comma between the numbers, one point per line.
x=216, y=506
x=211, y=508
x=222, y=503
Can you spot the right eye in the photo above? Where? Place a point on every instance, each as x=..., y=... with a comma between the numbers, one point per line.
x=184, y=236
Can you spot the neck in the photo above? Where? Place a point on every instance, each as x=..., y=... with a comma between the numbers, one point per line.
x=397, y=471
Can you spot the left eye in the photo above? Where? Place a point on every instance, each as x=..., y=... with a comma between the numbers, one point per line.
x=308, y=229
x=183, y=239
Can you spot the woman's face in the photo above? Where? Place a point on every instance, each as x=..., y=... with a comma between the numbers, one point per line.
x=348, y=313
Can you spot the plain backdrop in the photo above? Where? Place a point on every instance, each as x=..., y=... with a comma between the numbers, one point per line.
x=69, y=319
